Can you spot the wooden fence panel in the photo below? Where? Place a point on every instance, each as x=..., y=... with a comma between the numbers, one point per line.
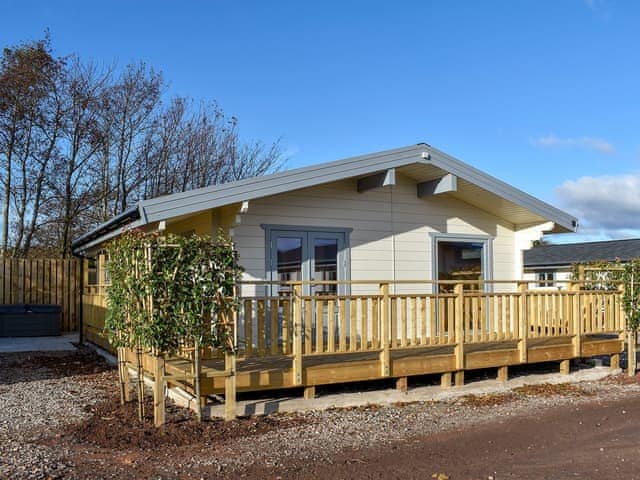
x=43, y=281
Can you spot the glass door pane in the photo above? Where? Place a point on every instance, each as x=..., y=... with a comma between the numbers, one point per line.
x=289, y=259
x=325, y=265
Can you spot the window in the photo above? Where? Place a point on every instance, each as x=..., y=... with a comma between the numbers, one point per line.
x=314, y=254
x=462, y=258
x=546, y=279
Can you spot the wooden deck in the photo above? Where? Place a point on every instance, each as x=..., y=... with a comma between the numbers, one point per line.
x=276, y=372
x=309, y=341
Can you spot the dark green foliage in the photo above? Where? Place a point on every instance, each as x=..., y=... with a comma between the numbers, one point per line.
x=170, y=291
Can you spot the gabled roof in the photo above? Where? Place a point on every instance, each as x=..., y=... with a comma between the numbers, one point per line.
x=419, y=160
x=570, y=253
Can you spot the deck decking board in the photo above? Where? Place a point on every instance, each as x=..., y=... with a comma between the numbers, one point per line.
x=275, y=371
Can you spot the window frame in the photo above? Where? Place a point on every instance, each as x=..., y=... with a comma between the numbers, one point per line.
x=308, y=233
x=545, y=282
x=486, y=260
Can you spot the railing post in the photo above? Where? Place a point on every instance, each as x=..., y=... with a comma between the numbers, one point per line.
x=230, y=367
x=385, y=353
x=577, y=320
x=297, y=334
x=230, y=386
x=458, y=290
x=523, y=321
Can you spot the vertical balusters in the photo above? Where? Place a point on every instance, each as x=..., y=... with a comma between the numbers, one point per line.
x=353, y=325
x=375, y=323
x=308, y=325
x=262, y=326
x=343, y=325
x=320, y=303
x=403, y=321
x=286, y=325
x=273, y=326
x=331, y=326
x=248, y=327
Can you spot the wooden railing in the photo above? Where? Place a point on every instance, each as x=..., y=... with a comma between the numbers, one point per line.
x=354, y=323
x=380, y=320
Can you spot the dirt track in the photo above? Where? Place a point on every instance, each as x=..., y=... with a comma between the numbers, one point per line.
x=600, y=440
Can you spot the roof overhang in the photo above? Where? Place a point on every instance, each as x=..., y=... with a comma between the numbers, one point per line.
x=420, y=162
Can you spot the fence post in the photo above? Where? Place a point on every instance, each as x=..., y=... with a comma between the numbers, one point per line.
x=385, y=353
x=458, y=290
x=577, y=319
x=523, y=321
x=297, y=334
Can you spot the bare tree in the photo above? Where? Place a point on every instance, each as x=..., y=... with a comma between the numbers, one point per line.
x=28, y=124
x=129, y=106
x=74, y=176
x=79, y=144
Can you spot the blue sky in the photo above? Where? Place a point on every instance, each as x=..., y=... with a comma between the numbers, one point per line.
x=542, y=94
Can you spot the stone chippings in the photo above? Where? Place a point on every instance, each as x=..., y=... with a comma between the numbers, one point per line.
x=36, y=402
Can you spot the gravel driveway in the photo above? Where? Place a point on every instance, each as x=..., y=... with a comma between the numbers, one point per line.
x=56, y=407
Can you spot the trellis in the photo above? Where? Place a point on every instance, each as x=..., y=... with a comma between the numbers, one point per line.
x=168, y=296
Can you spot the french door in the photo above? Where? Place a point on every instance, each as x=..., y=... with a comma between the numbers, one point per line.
x=308, y=256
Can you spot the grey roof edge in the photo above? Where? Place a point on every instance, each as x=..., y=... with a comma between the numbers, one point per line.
x=192, y=201
x=502, y=189
x=126, y=217
x=251, y=188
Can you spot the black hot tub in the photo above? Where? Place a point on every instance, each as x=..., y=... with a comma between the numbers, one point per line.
x=30, y=320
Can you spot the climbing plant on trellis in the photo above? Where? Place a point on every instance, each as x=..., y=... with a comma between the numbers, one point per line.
x=168, y=293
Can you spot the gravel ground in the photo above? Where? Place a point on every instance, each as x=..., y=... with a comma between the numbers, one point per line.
x=42, y=395
x=39, y=393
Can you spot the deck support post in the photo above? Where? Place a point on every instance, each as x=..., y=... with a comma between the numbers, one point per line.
x=459, y=378
x=230, y=386
x=523, y=322
x=565, y=367
x=297, y=335
x=631, y=354
x=577, y=320
x=159, y=412
x=445, y=380
x=309, y=392
x=402, y=384
x=614, y=362
x=385, y=353
x=503, y=374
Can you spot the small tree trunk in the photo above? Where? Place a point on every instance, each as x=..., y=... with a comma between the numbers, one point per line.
x=140, y=384
x=121, y=366
x=197, y=367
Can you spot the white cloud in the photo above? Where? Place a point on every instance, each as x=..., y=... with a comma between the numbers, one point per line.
x=607, y=206
x=588, y=143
